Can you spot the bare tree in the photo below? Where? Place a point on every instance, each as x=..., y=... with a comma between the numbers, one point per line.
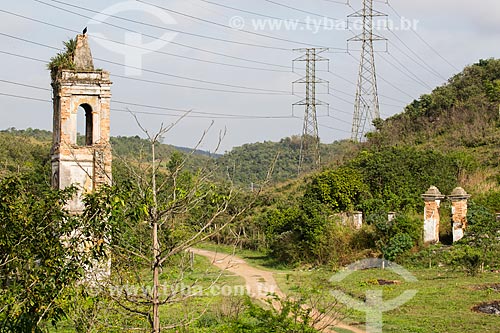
x=164, y=212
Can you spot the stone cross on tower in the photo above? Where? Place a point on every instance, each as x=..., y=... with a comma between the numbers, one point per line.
x=82, y=87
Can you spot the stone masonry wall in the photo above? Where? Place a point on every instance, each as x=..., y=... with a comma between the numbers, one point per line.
x=431, y=221
x=459, y=218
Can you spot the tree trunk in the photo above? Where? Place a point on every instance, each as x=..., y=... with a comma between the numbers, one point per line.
x=156, y=280
x=156, y=250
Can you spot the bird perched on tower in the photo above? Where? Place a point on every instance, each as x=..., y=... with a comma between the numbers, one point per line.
x=85, y=30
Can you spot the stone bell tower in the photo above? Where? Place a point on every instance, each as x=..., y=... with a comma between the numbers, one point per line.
x=81, y=89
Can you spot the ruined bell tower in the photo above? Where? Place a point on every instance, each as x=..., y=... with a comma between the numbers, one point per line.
x=79, y=87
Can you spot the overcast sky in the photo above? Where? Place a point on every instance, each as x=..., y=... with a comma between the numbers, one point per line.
x=244, y=86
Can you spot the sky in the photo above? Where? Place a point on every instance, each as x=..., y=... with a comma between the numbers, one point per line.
x=229, y=62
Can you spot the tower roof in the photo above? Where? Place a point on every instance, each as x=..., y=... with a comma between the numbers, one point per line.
x=83, y=57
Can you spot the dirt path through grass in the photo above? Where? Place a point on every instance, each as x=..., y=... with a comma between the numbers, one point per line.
x=259, y=282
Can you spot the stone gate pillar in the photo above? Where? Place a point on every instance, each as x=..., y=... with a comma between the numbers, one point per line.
x=458, y=200
x=357, y=220
x=391, y=216
x=432, y=200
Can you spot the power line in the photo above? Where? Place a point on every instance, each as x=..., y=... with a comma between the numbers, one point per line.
x=25, y=85
x=423, y=64
x=300, y=10
x=428, y=68
x=391, y=84
x=412, y=76
x=396, y=87
x=353, y=83
x=273, y=92
x=334, y=128
x=195, y=88
x=252, y=89
x=167, y=115
x=155, y=82
x=239, y=116
x=156, y=26
x=143, y=105
x=156, y=51
x=341, y=120
x=205, y=114
x=424, y=41
x=338, y=2
x=263, y=15
x=223, y=25
x=25, y=97
x=192, y=113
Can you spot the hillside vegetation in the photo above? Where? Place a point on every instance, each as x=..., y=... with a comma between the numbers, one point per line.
x=461, y=119
x=447, y=138
x=22, y=150
x=251, y=163
x=462, y=113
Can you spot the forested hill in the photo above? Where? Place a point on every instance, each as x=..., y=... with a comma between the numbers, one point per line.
x=462, y=113
x=250, y=163
x=28, y=150
x=460, y=118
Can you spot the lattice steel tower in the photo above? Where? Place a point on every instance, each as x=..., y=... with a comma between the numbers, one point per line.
x=366, y=105
x=309, y=143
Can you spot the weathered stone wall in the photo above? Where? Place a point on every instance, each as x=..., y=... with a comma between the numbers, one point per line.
x=83, y=57
x=432, y=200
x=352, y=219
x=459, y=219
x=458, y=200
x=431, y=221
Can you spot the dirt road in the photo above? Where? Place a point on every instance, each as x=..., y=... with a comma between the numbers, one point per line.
x=259, y=282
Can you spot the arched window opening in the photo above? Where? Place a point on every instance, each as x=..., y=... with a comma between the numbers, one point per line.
x=85, y=125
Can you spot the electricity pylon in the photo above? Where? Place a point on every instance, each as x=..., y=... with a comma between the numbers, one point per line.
x=309, y=143
x=366, y=105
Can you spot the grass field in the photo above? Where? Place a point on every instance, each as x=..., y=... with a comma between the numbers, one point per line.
x=442, y=304
x=108, y=317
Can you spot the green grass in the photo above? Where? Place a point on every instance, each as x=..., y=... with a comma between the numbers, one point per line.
x=109, y=317
x=443, y=302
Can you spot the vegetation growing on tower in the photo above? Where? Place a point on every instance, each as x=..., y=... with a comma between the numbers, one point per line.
x=65, y=59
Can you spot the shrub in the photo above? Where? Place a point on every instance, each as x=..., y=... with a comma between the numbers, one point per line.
x=467, y=258
x=396, y=237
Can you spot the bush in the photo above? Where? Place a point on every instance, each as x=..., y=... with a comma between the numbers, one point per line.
x=482, y=234
x=397, y=176
x=397, y=245
x=397, y=237
x=467, y=258
x=339, y=189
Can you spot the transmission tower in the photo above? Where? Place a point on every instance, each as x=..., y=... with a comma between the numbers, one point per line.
x=366, y=105
x=309, y=143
